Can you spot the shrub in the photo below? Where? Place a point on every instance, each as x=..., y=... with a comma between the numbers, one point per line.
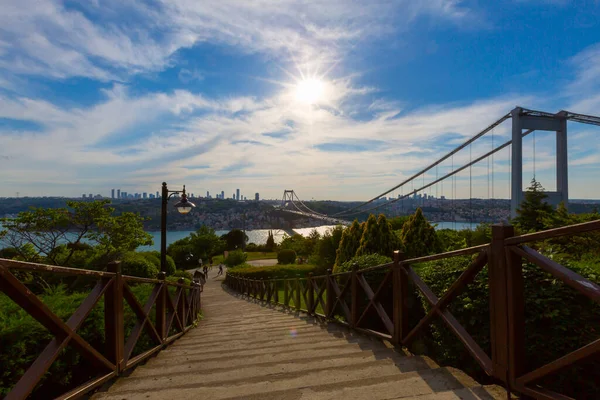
x=271, y=272
x=369, y=260
x=558, y=320
x=183, y=274
x=138, y=264
x=286, y=256
x=234, y=258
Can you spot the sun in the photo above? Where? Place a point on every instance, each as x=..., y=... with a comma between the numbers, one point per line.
x=310, y=91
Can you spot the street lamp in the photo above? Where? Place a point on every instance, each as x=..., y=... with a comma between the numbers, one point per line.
x=184, y=206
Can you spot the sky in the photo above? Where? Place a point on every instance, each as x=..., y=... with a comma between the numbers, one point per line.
x=337, y=100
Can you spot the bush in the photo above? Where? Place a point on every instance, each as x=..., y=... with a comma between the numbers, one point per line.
x=558, y=320
x=370, y=260
x=234, y=258
x=183, y=274
x=139, y=264
x=22, y=339
x=271, y=272
x=286, y=256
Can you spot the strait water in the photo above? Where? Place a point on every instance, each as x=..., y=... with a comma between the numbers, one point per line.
x=259, y=236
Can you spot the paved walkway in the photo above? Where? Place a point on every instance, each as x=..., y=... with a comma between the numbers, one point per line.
x=244, y=350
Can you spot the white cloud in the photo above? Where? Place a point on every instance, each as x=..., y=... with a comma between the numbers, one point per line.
x=113, y=39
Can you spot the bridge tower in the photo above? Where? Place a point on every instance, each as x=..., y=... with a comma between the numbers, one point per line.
x=531, y=121
x=288, y=195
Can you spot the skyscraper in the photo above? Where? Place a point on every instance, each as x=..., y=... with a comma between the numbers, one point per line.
x=222, y=194
x=207, y=194
x=157, y=195
x=256, y=197
x=118, y=193
x=112, y=193
x=237, y=194
x=91, y=196
x=145, y=195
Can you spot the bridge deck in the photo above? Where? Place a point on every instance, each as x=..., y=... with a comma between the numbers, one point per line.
x=242, y=350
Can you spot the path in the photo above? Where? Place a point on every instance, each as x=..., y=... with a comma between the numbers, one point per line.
x=242, y=350
x=263, y=263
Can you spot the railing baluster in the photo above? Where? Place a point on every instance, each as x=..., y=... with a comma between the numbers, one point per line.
x=329, y=295
x=113, y=317
x=161, y=308
x=354, y=296
x=310, y=295
x=399, y=298
x=297, y=297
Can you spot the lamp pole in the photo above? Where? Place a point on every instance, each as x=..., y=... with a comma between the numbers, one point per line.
x=183, y=206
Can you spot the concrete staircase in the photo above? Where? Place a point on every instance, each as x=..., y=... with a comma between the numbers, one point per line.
x=242, y=350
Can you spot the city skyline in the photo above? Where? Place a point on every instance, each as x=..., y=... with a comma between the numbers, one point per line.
x=335, y=100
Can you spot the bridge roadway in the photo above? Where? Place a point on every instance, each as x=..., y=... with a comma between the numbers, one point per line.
x=245, y=350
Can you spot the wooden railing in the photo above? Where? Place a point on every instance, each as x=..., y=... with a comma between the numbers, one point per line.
x=179, y=311
x=338, y=298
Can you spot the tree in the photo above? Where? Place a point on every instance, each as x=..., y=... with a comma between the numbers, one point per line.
x=377, y=237
x=325, y=252
x=235, y=239
x=205, y=243
x=270, y=246
x=92, y=222
x=349, y=243
x=534, y=212
x=418, y=236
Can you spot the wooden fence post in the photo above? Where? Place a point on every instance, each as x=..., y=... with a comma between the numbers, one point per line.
x=181, y=305
x=310, y=295
x=400, y=296
x=113, y=317
x=297, y=297
x=161, y=307
x=286, y=298
x=354, y=296
x=507, y=307
x=329, y=295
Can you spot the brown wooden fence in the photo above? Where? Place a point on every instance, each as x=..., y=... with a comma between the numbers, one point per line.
x=338, y=297
x=178, y=310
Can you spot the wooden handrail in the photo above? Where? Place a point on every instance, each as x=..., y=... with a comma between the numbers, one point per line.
x=504, y=260
x=575, y=229
x=112, y=285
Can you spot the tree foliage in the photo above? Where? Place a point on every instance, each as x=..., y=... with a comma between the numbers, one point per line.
x=534, y=211
x=80, y=222
x=286, y=256
x=270, y=245
x=418, y=236
x=235, y=239
x=234, y=258
x=349, y=243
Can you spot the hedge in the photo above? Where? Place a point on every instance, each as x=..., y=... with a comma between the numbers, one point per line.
x=271, y=272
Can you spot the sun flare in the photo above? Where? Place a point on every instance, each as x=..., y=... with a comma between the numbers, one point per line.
x=310, y=91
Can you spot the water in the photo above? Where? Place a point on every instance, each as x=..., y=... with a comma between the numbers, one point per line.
x=259, y=236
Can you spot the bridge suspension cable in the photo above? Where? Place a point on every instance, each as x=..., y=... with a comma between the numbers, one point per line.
x=439, y=161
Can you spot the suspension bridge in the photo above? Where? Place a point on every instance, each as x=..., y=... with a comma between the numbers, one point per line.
x=330, y=336
x=447, y=168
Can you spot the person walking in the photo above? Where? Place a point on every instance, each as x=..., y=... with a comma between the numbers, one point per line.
x=220, y=270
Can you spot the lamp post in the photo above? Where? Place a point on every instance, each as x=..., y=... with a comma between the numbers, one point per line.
x=184, y=206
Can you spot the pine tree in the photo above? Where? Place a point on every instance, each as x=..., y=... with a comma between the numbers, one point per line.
x=378, y=237
x=270, y=242
x=349, y=243
x=534, y=213
x=418, y=236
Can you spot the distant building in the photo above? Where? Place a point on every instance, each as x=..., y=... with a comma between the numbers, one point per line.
x=118, y=193
x=112, y=193
x=83, y=196
x=222, y=194
x=91, y=196
x=207, y=194
x=151, y=196
x=237, y=194
x=233, y=197
x=157, y=195
x=123, y=195
x=256, y=197
x=145, y=195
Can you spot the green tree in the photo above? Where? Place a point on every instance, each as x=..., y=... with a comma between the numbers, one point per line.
x=235, y=239
x=377, y=237
x=418, y=236
x=349, y=243
x=534, y=212
x=326, y=249
x=93, y=222
x=204, y=243
x=295, y=242
x=270, y=246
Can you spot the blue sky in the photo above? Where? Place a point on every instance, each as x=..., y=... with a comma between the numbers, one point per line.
x=336, y=99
